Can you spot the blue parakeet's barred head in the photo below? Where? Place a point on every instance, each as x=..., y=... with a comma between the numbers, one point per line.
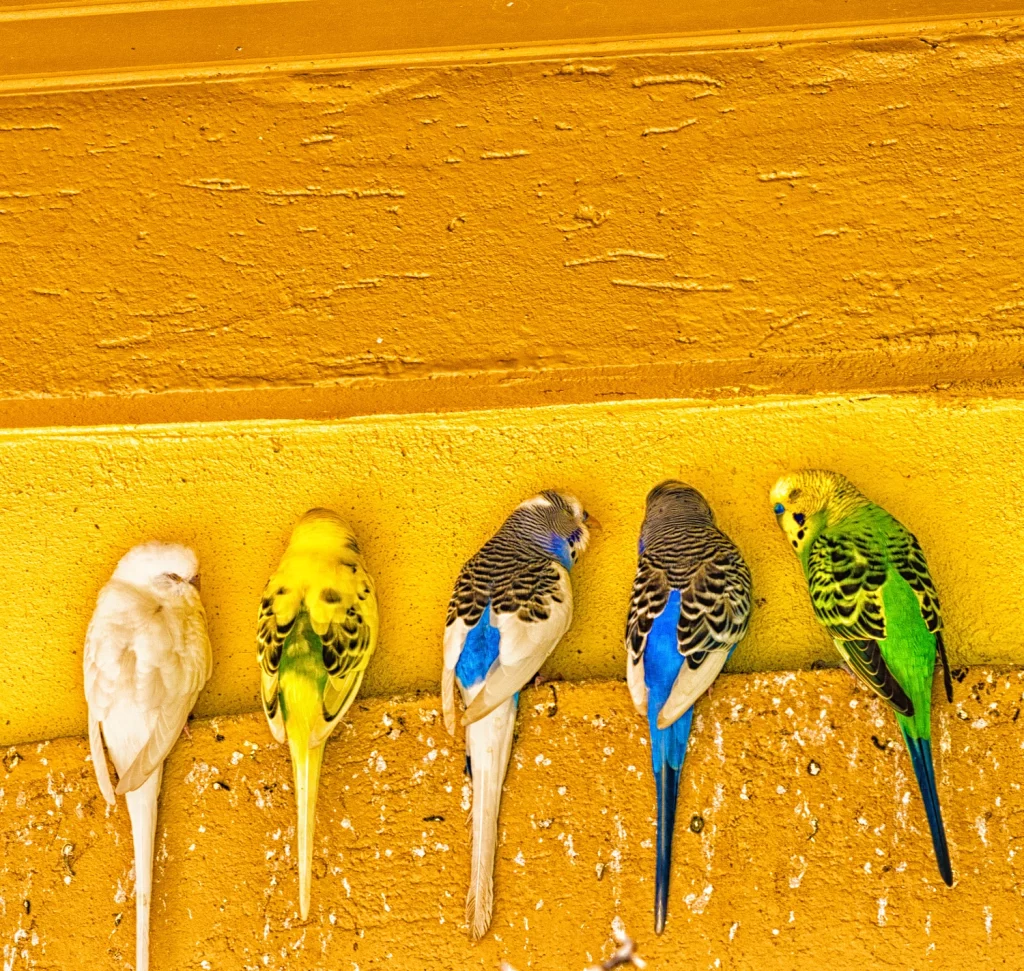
x=555, y=522
x=515, y=569
x=673, y=501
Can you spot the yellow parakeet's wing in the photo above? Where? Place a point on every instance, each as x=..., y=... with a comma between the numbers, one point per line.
x=320, y=600
x=269, y=644
x=344, y=613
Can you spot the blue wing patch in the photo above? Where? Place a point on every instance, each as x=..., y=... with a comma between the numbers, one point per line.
x=479, y=652
x=662, y=660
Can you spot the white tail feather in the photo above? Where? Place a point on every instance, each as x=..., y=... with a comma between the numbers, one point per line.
x=489, y=742
x=448, y=698
x=142, y=806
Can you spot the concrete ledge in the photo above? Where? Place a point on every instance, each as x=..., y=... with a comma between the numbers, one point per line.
x=87, y=44
x=812, y=840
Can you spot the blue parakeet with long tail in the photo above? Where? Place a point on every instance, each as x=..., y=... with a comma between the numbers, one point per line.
x=511, y=605
x=871, y=590
x=689, y=609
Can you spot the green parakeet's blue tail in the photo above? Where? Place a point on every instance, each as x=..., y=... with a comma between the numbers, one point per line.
x=921, y=755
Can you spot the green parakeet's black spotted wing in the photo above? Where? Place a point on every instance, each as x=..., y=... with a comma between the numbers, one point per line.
x=907, y=557
x=846, y=570
x=269, y=644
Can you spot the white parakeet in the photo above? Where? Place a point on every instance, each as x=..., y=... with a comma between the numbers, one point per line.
x=147, y=657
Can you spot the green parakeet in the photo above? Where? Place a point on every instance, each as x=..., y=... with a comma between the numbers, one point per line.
x=317, y=629
x=870, y=588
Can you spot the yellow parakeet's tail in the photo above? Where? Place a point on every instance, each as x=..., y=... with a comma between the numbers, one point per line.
x=300, y=701
x=306, y=764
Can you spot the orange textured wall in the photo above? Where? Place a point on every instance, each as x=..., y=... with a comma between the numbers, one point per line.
x=771, y=217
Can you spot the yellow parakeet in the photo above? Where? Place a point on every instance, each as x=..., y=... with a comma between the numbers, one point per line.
x=318, y=627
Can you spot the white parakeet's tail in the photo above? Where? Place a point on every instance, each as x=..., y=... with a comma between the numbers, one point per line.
x=489, y=744
x=306, y=764
x=142, y=805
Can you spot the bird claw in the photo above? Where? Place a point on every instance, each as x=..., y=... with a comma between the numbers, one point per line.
x=186, y=732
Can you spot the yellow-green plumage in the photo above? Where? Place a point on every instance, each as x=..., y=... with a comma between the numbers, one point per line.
x=318, y=627
x=870, y=588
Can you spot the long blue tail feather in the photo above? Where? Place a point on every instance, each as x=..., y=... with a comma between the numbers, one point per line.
x=921, y=756
x=667, y=781
x=668, y=750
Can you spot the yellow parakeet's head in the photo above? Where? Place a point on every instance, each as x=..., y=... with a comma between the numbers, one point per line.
x=806, y=501
x=322, y=530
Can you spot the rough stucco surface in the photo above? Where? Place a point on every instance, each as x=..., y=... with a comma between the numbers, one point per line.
x=762, y=209
x=423, y=493
x=813, y=842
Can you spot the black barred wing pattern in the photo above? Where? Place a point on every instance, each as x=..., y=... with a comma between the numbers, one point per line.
x=269, y=644
x=514, y=577
x=531, y=605
x=715, y=593
x=846, y=571
x=332, y=613
x=694, y=557
x=907, y=557
x=650, y=594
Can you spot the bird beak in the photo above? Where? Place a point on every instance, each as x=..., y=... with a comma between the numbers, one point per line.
x=593, y=523
x=195, y=582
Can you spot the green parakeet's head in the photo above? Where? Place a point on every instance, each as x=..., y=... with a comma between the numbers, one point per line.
x=807, y=501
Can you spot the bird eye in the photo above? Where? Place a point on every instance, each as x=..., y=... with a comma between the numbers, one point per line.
x=779, y=509
x=586, y=515
x=798, y=518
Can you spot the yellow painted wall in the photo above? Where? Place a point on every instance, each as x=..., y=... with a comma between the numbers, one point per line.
x=772, y=217
x=791, y=869
x=425, y=492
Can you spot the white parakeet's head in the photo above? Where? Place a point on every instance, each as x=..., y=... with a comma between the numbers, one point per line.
x=160, y=565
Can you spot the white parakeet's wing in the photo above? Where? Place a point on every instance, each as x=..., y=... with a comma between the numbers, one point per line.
x=145, y=662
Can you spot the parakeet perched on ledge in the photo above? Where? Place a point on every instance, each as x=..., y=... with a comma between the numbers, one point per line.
x=511, y=605
x=318, y=627
x=689, y=609
x=147, y=656
x=871, y=590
